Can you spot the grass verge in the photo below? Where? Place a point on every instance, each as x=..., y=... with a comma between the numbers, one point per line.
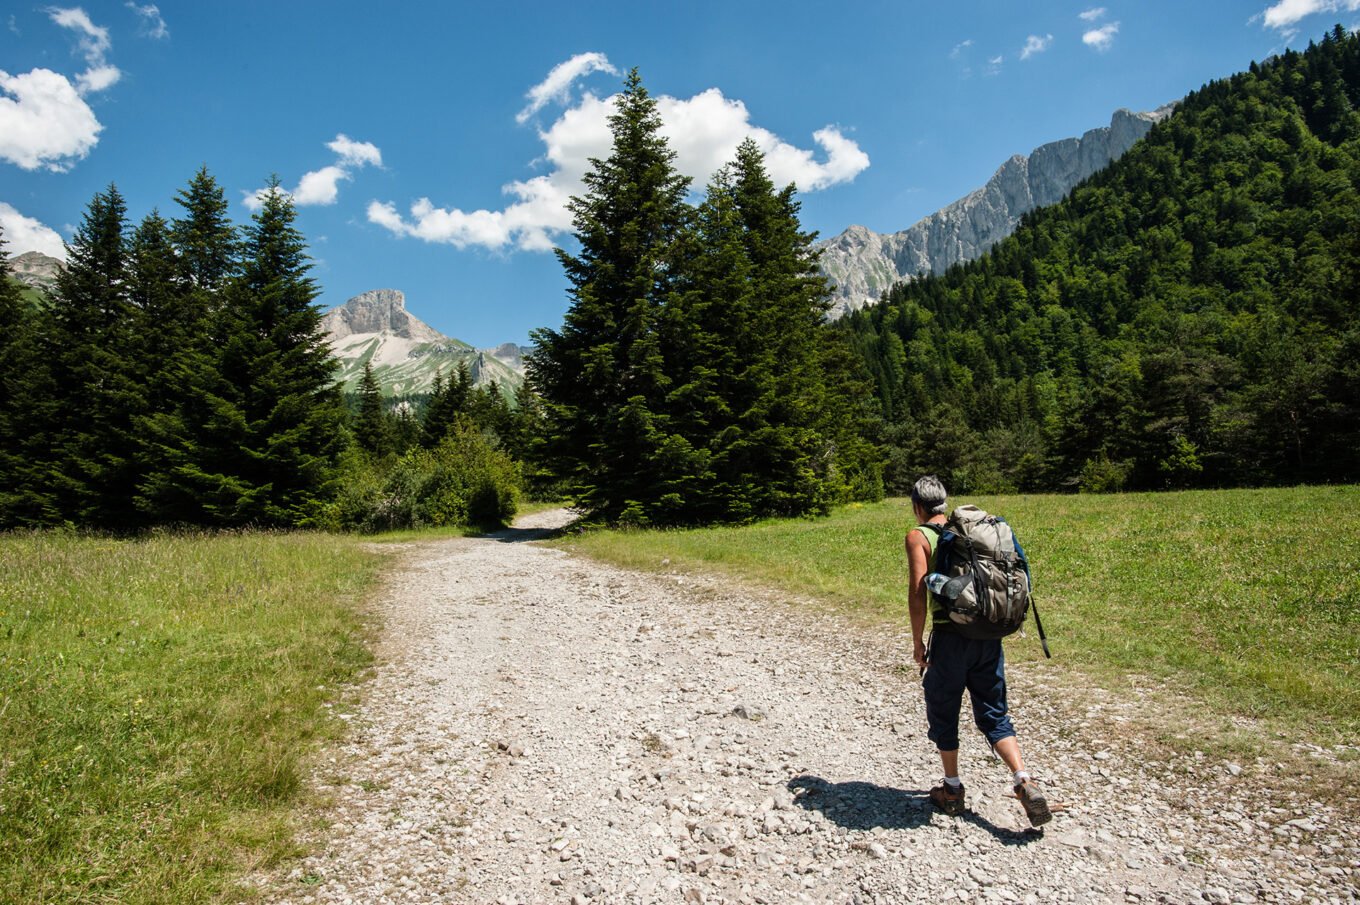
x=1247, y=600
x=158, y=698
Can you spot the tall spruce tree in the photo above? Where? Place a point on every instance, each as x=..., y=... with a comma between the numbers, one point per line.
x=18, y=361
x=189, y=329
x=602, y=376
x=280, y=418
x=92, y=342
x=372, y=430
x=258, y=427
x=795, y=443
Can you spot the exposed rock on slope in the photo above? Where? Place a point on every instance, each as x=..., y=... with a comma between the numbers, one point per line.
x=36, y=270
x=405, y=352
x=863, y=264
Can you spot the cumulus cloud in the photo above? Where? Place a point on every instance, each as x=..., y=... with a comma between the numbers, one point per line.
x=1101, y=38
x=557, y=86
x=152, y=23
x=322, y=187
x=959, y=48
x=44, y=122
x=1287, y=13
x=1092, y=15
x=1035, y=44
x=703, y=131
x=23, y=234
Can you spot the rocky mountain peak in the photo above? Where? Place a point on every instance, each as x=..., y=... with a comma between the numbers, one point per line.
x=378, y=311
x=35, y=269
x=863, y=264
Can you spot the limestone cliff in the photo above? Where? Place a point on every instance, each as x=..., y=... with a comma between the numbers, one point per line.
x=863, y=264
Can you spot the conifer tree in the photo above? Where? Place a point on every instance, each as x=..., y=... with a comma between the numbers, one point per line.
x=278, y=375
x=189, y=323
x=92, y=342
x=205, y=240
x=371, y=429
x=258, y=435
x=602, y=376
x=18, y=369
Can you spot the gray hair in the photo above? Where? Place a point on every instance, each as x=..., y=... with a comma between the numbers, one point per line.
x=930, y=495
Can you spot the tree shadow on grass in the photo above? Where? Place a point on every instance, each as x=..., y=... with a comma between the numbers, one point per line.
x=865, y=806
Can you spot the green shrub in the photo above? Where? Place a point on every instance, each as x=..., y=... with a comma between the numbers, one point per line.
x=465, y=480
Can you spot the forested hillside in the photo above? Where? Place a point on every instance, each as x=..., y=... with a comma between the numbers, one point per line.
x=1186, y=317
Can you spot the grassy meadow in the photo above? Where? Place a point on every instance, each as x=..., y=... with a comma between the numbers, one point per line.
x=1247, y=600
x=157, y=699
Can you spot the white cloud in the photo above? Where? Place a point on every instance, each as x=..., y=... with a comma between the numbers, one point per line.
x=23, y=234
x=94, y=41
x=319, y=186
x=1092, y=15
x=97, y=78
x=959, y=48
x=1101, y=38
x=322, y=187
x=703, y=131
x=355, y=153
x=94, y=44
x=1035, y=44
x=152, y=21
x=557, y=86
x=44, y=122
x=1287, y=13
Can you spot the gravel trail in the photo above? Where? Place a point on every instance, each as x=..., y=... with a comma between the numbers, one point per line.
x=542, y=728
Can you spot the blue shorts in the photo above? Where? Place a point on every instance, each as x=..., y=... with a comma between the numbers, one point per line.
x=957, y=663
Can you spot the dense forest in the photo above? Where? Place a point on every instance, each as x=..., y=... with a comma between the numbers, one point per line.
x=1188, y=317
x=178, y=376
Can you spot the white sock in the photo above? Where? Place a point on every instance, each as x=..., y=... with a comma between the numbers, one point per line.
x=1021, y=776
x=953, y=782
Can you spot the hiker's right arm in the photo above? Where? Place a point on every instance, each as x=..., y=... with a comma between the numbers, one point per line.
x=918, y=560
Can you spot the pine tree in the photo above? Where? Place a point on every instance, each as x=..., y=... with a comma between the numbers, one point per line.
x=602, y=376
x=371, y=428
x=92, y=341
x=205, y=240
x=278, y=375
x=189, y=317
x=257, y=435
x=19, y=366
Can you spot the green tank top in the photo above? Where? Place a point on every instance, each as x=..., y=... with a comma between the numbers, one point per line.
x=938, y=617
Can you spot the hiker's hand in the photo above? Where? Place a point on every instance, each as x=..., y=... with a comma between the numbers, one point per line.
x=920, y=654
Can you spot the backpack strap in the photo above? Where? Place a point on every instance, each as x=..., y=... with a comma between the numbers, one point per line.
x=935, y=545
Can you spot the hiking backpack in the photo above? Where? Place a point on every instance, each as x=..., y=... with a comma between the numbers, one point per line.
x=987, y=588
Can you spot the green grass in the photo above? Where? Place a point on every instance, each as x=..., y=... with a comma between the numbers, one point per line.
x=1248, y=600
x=158, y=699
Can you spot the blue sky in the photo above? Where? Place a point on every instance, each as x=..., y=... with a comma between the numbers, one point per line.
x=430, y=146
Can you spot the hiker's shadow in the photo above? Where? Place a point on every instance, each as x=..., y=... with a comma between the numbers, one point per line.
x=865, y=806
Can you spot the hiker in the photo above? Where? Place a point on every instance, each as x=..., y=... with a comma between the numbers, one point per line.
x=952, y=663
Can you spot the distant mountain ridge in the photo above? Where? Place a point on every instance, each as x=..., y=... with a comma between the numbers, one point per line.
x=36, y=270
x=863, y=264
x=406, y=353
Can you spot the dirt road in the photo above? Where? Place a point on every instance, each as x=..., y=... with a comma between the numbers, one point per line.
x=543, y=728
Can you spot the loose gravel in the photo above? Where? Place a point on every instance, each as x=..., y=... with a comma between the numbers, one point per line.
x=542, y=728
